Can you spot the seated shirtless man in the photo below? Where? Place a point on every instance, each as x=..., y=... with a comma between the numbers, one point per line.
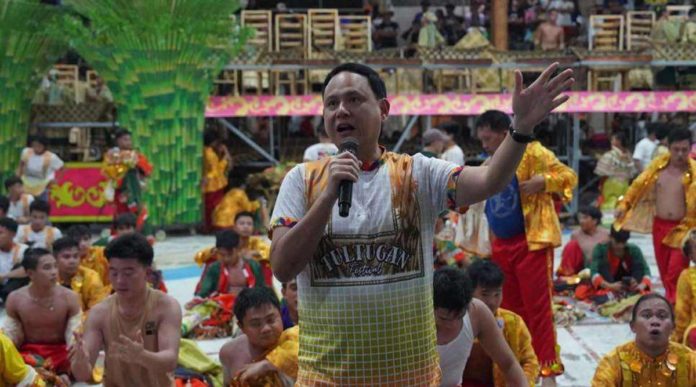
x=137, y=327
x=42, y=316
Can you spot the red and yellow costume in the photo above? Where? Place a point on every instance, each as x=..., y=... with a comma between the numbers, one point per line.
x=638, y=207
x=215, y=171
x=520, y=341
x=96, y=260
x=13, y=370
x=685, y=309
x=527, y=259
x=88, y=287
x=626, y=365
x=283, y=357
x=127, y=170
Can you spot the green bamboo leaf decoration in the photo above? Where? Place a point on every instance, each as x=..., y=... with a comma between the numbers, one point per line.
x=159, y=58
x=27, y=51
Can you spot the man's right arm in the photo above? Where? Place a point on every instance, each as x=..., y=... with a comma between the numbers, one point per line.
x=293, y=247
x=86, y=347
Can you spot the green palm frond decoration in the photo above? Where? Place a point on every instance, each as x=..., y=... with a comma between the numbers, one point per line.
x=159, y=58
x=27, y=50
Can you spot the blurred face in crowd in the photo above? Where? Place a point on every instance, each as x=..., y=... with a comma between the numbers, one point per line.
x=124, y=229
x=125, y=142
x=38, y=220
x=352, y=110
x=491, y=296
x=680, y=152
x=16, y=191
x=553, y=16
x=6, y=237
x=46, y=272
x=68, y=261
x=38, y=147
x=244, y=226
x=587, y=223
x=490, y=139
x=128, y=276
x=289, y=291
x=448, y=320
x=85, y=243
x=228, y=256
x=618, y=248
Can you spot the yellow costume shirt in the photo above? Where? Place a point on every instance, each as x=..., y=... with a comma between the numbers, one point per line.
x=95, y=260
x=13, y=370
x=639, y=207
x=214, y=170
x=520, y=341
x=284, y=357
x=540, y=219
x=626, y=365
x=685, y=309
x=89, y=288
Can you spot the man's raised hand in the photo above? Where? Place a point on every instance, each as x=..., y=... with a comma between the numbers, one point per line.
x=531, y=105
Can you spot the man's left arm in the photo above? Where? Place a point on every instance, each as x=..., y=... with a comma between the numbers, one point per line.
x=493, y=342
x=530, y=106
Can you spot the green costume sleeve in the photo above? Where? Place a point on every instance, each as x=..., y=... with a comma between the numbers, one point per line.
x=210, y=281
x=638, y=259
x=598, y=260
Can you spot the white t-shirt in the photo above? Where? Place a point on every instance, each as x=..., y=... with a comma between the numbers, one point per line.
x=18, y=208
x=454, y=154
x=320, y=150
x=34, y=164
x=366, y=295
x=26, y=235
x=10, y=258
x=454, y=355
x=644, y=151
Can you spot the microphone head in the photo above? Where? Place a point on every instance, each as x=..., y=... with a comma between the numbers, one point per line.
x=350, y=144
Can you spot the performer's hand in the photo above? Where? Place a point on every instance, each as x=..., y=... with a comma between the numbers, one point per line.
x=534, y=185
x=344, y=166
x=77, y=351
x=254, y=371
x=531, y=105
x=128, y=350
x=614, y=286
x=618, y=213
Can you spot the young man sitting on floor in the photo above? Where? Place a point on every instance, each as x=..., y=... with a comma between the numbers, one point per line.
x=487, y=280
x=71, y=275
x=38, y=233
x=91, y=257
x=265, y=354
x=42, y=316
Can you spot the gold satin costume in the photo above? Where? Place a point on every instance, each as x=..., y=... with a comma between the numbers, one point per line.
x=685, y=309
x=96, y=260
x=234, y=202
x=88, y=287
x=214, y=170
x=283, y=357
x=639, y=207
x=627, y=366
x=538, y=209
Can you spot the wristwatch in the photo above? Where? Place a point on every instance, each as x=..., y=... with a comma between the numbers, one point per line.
x=520, y=137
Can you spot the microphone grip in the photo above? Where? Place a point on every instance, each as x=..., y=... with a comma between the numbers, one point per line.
x=345, y=197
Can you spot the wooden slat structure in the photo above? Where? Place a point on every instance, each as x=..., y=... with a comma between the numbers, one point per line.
x=608, y=32
x=261, y=21
x=639, y=25
x=679, y=12
x=356, y=33
x=291, y=35
x=323, y=30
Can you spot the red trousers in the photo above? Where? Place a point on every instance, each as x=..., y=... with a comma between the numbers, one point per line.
x=572, y=259
x=49, y=356
x=210, y=201
x=670, y=261
x=527, y=291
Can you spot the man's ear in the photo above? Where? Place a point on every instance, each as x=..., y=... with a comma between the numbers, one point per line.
x=384, y=107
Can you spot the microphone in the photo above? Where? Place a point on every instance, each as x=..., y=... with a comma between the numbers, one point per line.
x=345, y=189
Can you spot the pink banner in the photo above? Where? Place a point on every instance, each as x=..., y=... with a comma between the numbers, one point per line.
x=458, y=104
x=78, y=195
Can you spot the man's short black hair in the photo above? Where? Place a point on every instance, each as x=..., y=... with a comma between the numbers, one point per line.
x=373, y=79
x=661, y=131
x=486, y=274
x=253, y=298
x=650, y=296
x=127, y=219
x=40, y=205
x=78, y=232
x=130, y=246
x=678, y=134
x=120, y=133
x=210, y=135
x=452, y=128
x=32, y=256
x=12, y=180
x=496, y=120
x=41, y=139
x=4, y=204
x=592, y=212
x=688, y=242
x=243, y=214
x=451, y=289
x=621, y=137
x=620, y=236
x=226, y=239
x=10, y=224
x=64, y=243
